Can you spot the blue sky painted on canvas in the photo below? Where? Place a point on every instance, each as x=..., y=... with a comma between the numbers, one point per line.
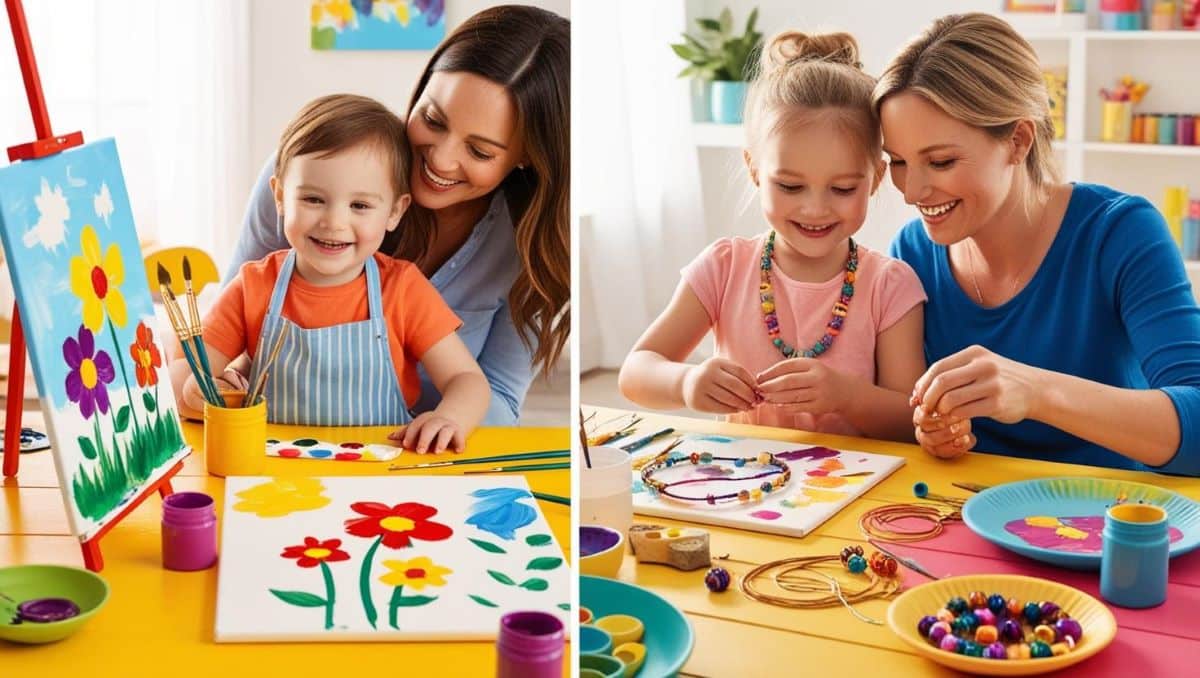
x=44, y=206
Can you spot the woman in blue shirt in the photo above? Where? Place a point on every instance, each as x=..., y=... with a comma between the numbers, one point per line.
x=488, y=124
x=1061, y=324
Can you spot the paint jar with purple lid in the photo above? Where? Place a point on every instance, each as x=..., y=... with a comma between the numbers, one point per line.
x=530, y=645
x=189, y=531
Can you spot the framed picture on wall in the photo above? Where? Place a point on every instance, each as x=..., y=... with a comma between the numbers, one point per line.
x=377, y=24
x=1031, y=5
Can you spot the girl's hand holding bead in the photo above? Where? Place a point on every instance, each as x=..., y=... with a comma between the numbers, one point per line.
x=720, y=386
x=978, y=383
x=430, y=432
x=942, y=437
x=806, y=383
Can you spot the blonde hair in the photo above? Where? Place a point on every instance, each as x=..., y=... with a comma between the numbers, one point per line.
x=800, y=77
x=336, y=122
x=978, y=70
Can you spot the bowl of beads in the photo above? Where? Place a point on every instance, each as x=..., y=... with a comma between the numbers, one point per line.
x=655, y=638
x=601, y=550
x=1002, y=624
x=46, y=603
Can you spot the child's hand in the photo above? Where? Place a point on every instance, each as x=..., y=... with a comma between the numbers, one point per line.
x=805, y=383
x=431, y=432
x=943, y=437
x=719, y=386
x=193, y=397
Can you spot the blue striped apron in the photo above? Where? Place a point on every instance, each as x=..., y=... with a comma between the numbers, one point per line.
x=331, y=376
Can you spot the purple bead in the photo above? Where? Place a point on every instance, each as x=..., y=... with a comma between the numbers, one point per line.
x=1048, y=610
x=949, y=643
x=827, y=339
x=717, y=579
x=924, y=625
x=936, y=633
x=996, y=604
x=995, y=651
x=1068, y=627
x=836, y=323
x=1010, y=630
x=985, y=616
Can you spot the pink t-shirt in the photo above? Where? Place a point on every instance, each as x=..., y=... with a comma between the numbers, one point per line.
x=725, y=277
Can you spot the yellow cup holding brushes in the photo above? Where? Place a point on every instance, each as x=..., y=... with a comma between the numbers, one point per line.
x=235, y=437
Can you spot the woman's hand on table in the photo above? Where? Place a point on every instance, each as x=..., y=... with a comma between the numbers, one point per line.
x=431, y=432
x=978, y=383
x=807, y=384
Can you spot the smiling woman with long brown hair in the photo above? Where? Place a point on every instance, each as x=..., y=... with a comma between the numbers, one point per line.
x=488, y=124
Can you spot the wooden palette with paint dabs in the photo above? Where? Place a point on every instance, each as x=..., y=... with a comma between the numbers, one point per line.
x=823, y=481
x=383, y=559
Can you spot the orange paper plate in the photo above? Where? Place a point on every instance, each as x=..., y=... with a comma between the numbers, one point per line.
x=1099, y=625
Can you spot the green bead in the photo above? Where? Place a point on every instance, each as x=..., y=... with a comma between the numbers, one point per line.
x=777, y=341
x=848, y=290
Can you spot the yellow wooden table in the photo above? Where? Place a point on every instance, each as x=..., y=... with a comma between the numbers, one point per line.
x=159, y=622
x=736, y=636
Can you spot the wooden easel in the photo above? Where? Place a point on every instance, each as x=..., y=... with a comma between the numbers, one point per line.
x=46, y=144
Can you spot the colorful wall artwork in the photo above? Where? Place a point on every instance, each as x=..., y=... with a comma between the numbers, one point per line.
x=823, y=481
x=377, y=24
x=89, y=321
x=383, y=559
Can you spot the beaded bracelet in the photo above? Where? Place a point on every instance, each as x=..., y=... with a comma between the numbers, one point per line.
x=993, y=627
x=780, y=474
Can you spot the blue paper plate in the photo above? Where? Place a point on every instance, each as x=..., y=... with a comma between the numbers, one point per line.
x=1065, y=517
x=668, y=638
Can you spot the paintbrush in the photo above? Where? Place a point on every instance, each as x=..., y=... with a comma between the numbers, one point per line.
x=971, y=487
x=552, y=498
x=194, y=326
x=185, y=329
x=255, y=393
x=180, y=326
x=906, y=562
x=587, y=456
x=642, y=442
x=520, y=456
x=518, y=469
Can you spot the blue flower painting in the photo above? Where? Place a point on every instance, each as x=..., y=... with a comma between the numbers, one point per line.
x=499, y=513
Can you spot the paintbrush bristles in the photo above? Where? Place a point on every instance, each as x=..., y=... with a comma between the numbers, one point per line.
x=164, y=276
x=187, y=271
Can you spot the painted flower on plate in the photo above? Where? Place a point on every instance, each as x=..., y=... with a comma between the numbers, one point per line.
x=397, y=525
x=91, y=371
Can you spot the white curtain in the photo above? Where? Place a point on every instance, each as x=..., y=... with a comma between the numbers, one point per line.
x=635, y=170
x=170, y=81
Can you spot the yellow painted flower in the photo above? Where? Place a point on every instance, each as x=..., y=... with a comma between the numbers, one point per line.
x=282, y=496
x=417, y=573
x=97, y=281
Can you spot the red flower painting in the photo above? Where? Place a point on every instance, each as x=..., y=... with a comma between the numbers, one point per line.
x=397, y=525
x=314, y=552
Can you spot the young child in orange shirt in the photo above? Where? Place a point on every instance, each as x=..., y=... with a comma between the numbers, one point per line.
x=356, y=322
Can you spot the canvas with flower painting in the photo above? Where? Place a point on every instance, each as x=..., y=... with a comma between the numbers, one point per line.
x=377, y=24
x=351, y=559
x=89, y=321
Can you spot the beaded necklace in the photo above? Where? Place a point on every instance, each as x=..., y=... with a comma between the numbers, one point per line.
x=777, y=470
x=840, y=309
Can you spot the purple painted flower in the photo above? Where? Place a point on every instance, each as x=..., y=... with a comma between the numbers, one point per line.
x=431, y=9
x=86, y=382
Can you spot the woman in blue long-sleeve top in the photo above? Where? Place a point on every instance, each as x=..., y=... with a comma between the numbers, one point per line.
x=488, y=124
x=1061, y=324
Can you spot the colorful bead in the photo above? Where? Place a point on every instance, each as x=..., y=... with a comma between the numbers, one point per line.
x=744, y=495
x=1069, y=628
x=938, y=631
x=706, y=457
x=986, y=618
x=1018, y=651
x=971, y=648
x=1046, y=634
x=920, y=491
x=883, y=565
x=1033, y=613
x=856, y=564
x=739, y=462
x=945, y=615
x=1010, y=630
x=957, y=605
x=995, y=603
x=965, y=623
x=711, y=499
x=1014, y=607
x=986, y=634
x=695, y=458
x=925, y=624
x=1049, y=611
x=995, y=651
x=849, y=552
x=756, y=494
x=767, y=302
x=1059, y=649
x=765, y=458
x=976, y=600
x=765, y=487
x=949, y=643
x=1039, y=650
x=717, y=579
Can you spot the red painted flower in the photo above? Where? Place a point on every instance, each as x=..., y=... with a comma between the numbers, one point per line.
x=314, y=552
x=146, y=359
x=398, y=525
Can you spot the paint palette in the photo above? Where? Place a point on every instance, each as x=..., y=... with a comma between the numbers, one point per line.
x=311, y=448
x=31, y=440
x=383, y=559
x=824, y=480
x=1059, y=520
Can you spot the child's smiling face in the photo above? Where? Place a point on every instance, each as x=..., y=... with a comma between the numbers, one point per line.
x=814, y=185
x=336, y=210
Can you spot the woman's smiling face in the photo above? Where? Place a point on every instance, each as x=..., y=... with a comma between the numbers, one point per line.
x=957, y=175
x=464, y=136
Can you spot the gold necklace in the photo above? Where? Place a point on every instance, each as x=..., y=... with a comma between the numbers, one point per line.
x=1012, y=292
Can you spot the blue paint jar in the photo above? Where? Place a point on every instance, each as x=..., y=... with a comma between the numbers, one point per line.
x=1166, y=129
x=1133, y=562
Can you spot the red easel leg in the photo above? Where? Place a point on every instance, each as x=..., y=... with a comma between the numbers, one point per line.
x=16, y=397
x=92, y=559
x=164, y=489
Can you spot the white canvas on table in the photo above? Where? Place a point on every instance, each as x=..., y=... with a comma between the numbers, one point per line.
x=462, y=552
x=90, y=329
x=823, y=481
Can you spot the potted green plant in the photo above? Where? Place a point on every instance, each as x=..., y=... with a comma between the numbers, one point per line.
x=719, y=57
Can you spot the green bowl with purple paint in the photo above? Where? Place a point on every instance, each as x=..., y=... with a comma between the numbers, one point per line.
x=25, y=583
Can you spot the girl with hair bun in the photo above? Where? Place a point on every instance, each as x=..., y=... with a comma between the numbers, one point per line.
x=813, y=330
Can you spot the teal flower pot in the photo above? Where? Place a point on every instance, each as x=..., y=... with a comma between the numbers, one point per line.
x=728, y=98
